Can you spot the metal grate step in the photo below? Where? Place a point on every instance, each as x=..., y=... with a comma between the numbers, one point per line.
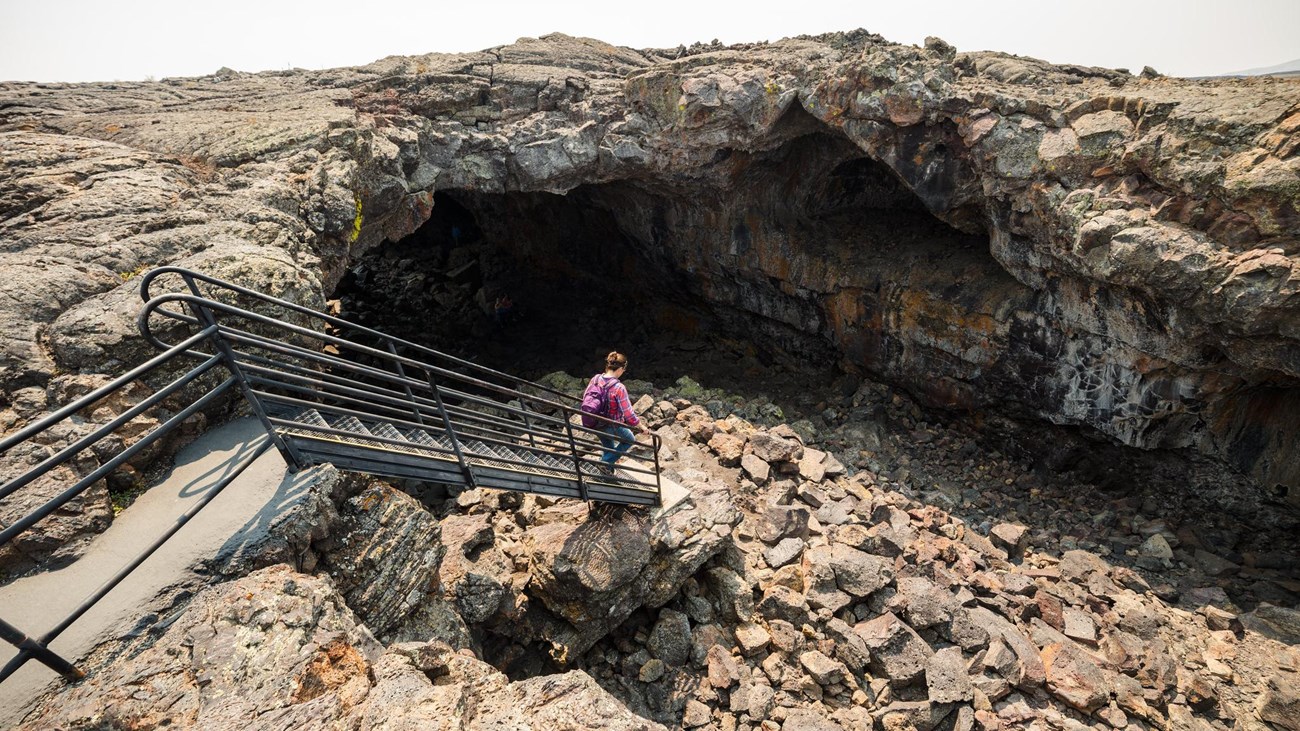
x=311, y=417
x=387, y=431
x=525, y=464
x=424, y=438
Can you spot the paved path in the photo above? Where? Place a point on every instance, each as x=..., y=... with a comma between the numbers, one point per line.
x=235, y=520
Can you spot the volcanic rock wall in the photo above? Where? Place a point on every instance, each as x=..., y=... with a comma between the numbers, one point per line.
x=1119, y=252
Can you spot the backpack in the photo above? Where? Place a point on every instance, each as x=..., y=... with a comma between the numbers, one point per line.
x=595, y=402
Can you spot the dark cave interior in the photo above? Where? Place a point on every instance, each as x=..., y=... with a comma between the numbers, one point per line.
x=730, y=277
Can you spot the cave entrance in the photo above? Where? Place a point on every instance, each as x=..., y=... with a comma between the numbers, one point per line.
x=764, y=270
x=790, y=274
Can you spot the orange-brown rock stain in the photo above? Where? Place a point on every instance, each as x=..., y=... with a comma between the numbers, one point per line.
x=856, y=330
x=676, y=319
x=947, y=326
x=329, y=669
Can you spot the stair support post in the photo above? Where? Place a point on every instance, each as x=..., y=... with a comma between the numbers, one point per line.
x=29, y=647
x=410, y=395
x=577, y=459
x=528, y=424
x=287, y=450
x=451, y=432
x=659, y=485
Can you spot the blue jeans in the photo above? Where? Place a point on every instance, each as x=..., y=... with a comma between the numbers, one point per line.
x=616, y=440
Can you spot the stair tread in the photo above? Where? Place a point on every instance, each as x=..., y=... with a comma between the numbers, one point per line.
x=387, y=431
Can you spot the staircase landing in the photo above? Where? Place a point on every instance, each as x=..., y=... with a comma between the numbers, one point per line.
x=241, y=518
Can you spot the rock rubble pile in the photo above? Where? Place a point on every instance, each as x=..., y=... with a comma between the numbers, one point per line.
x=791, y=591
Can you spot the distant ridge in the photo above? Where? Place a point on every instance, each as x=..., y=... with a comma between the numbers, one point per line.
x=1290, y=68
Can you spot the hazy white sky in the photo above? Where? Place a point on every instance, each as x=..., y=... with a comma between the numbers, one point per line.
x=99, y=40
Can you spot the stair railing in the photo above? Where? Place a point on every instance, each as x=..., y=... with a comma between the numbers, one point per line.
x=303, y=367
x=292, y=366
x=164, y=403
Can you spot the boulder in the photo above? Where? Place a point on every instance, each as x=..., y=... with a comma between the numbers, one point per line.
x=1011, y=536
x=897, y=651
x=755, y=468
x=728, y=448
x=752, y=698
x=592, y=570
x=807, y=719
x=731, y=594
x=1280, y=702
x=771, y=448
x=652, y=670
x=752, y=639
x=696, y=714
x=1079, y=625
x=946, y=680
x=859, y=574
x=781, y=602
x=1279, y=623
x=1078, y=565
x=812, y=465
x=670, y=639
x=723, y=669
x=782, y=521
x=822, y=590
x=879, y=540
x=823, y=669
x=912, y=715
x=1027, y=670
x=1073, y=677
x=922, y=603
x=784, y=552
x=850, y=648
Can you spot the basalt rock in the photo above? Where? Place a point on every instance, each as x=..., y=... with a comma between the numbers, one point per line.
x=701, y=631
x=1075, y=243
x=283, y=648
x=212, y=667
x=384, y=557
x=593, y=568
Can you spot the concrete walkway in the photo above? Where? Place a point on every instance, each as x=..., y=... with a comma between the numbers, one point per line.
x=235, y=522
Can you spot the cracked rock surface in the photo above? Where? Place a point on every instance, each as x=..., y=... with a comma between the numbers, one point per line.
x=1086, y=246
x=898, y=613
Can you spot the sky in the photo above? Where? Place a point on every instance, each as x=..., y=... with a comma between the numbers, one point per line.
x=127, y=40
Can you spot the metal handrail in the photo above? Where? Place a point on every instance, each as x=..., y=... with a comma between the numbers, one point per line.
x=190, y=276
x=325, y=381
x=233, y=334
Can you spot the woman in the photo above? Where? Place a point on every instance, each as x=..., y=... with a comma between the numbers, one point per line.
x=616, y=439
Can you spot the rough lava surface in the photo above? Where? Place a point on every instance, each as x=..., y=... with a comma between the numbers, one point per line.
x=787, y=593
x=1142, y=231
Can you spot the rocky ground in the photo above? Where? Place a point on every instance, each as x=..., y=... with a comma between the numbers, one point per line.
x=825, y=574
x=1113, y=252
x=986, y=467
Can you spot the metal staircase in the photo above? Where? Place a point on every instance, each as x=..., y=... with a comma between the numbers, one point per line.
x=328, y=390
